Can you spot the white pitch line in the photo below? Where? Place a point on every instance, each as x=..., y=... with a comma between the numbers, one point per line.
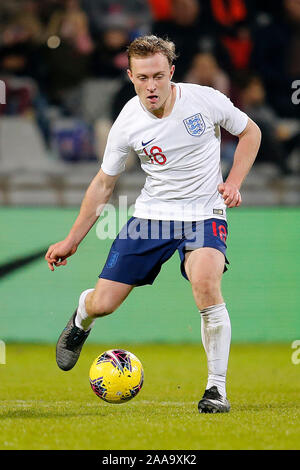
x=27, y=403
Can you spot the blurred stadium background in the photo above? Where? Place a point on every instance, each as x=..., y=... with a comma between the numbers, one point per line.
x=64, y=67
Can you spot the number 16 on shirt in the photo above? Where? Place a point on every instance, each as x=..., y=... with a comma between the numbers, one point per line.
x=156, y=155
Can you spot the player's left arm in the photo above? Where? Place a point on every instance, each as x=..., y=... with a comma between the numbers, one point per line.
x=244, y=157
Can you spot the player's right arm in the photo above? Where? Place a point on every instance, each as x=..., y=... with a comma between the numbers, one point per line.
x=96, y=196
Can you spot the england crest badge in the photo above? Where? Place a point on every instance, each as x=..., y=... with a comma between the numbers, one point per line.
x=195, y=125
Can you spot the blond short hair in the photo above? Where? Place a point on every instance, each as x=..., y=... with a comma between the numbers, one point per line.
x=149, y=45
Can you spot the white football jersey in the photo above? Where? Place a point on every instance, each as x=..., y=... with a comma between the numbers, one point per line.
x=180, y=153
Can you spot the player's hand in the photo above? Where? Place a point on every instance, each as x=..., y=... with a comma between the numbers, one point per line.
x=230, y=194
x=58, y=253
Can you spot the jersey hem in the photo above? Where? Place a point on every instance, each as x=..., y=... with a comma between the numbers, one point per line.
x=144, y=215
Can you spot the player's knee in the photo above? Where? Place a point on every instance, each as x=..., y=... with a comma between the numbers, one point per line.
x=206, y=285
x=206, y=290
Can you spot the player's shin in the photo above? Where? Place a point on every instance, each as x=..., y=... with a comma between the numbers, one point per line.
x=82, y=319
x=216, y=338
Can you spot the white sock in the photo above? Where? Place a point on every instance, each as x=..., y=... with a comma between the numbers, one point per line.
x=216, y=337
x=82, y=319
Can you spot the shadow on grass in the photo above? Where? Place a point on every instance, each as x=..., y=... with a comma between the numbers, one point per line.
x=105, y=411
x=39, y=411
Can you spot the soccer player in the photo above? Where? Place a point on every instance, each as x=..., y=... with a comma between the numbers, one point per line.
x=174, y=128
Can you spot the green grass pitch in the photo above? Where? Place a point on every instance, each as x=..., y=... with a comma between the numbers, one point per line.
x=42, y=407
x=45, y=408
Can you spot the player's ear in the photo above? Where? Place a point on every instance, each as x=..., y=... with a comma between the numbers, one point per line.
x=172, y=70
x=129, y=73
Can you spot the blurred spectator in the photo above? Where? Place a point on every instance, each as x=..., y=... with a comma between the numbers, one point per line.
x=24, y=23
x=9, y=9
x=277, y=139
x=69, y=50
x=71, y=25
x=188, y=29
x=110, y=56
x=160, y=10
x=48, y=8
x=21, y=64
x=276, y=57
x=206, y=71
x=273, y=9
x=21, y=38
x=231, y=21
x=184, y=29
x=136, y=15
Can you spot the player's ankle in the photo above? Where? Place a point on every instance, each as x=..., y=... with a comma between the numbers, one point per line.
x=217, y=381
x=83, y=320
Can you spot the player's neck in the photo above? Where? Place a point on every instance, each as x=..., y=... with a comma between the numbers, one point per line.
x=168, y=105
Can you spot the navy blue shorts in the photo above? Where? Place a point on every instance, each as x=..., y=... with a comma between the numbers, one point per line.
x=142, y=246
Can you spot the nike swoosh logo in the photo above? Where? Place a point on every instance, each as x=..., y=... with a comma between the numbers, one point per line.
x=146, y=143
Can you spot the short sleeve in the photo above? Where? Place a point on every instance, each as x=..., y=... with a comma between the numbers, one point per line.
x=116, y=151
x=225, y=114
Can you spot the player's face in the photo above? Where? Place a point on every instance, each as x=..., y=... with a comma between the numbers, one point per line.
x=151, y=77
